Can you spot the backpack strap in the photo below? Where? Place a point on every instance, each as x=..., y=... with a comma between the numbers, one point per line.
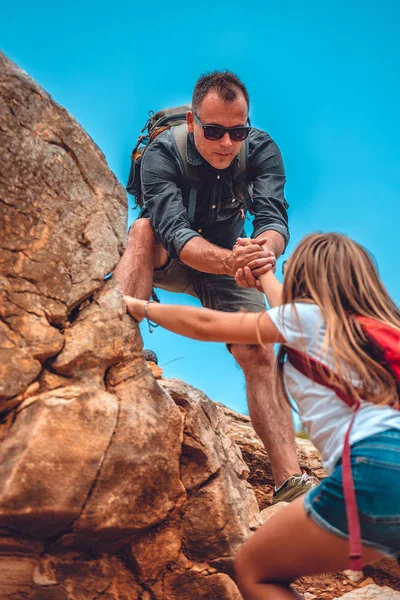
x=242, y=189
x=315, y=371
x=350, y=501
x=180, y=133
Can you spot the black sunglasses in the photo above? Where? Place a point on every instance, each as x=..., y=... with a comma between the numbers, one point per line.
x=216, y=132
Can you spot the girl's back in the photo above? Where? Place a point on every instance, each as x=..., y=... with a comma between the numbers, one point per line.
x=324, y=414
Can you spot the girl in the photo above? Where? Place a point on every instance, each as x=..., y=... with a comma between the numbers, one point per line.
x=328, y=279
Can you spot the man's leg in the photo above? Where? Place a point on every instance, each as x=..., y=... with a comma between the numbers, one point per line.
x=143, y=254
x=270, y=416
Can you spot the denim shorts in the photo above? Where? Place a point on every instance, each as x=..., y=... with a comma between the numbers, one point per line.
x=375, y=464
x=219, y=292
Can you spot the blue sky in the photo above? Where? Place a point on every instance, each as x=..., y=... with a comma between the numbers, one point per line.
x=323, y=81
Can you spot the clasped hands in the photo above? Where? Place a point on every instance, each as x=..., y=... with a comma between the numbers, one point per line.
x=251, y=258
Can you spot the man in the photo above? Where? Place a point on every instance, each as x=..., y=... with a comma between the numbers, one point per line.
x=200, y=257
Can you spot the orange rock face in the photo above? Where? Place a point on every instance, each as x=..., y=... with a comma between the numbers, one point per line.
x=110, y=485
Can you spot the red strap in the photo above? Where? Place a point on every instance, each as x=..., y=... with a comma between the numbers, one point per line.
x=312, y=369
x=350, y=501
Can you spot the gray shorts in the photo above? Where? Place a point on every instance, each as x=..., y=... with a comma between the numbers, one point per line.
x=219, y=292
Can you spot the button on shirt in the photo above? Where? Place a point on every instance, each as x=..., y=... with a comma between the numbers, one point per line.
x=219, y=215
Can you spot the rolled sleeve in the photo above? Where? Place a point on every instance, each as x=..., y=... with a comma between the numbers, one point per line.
x=268, y=173
x=163, y=202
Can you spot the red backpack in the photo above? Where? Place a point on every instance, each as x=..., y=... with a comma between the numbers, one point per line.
x=387, y=340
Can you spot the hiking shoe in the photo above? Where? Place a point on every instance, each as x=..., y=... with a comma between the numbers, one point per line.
x=295, y=486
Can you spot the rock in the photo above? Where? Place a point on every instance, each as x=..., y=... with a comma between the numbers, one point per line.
x=63, y=218
x=354, y=576
x=270, y=511
x=139, y=483
x=155, y=369
x=214, y=475
x=201, y=586
x=110, y=485
x=48, y=578
x=101, y=336
x=51, y=458
x=371, y=592
x=260, y=474
x=366, y=582
x=385, y=569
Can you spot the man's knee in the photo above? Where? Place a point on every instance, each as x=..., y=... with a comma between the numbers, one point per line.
x=253, y=356
x=142, y=229
x=142, y=241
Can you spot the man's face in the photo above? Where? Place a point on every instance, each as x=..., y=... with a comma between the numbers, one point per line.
x=214, y=111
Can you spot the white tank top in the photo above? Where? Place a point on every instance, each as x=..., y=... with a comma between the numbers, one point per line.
x=324, y=415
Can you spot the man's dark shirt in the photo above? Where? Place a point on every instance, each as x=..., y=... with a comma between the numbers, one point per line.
x=219, y=216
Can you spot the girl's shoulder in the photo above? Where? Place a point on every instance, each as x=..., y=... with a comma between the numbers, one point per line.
x=298, y=321
x=297, y=314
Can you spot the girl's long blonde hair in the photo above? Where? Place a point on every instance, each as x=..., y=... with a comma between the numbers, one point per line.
x=338, y=275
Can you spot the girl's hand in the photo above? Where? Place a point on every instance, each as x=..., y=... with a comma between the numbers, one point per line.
x=135, y=307
x=245, y=278
x=252, y=260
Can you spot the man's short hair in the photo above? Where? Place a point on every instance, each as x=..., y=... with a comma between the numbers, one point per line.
x=226, y=84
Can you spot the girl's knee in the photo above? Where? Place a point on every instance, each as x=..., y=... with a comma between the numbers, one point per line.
x=240, y=577
x=243, y=570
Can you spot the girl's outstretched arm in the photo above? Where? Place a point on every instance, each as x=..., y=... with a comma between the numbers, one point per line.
x=272, y=288
x=206, y=324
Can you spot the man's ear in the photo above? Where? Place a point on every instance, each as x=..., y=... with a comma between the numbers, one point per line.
x=190, y=121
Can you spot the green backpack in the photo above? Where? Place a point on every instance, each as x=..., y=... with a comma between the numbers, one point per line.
x=176, y=118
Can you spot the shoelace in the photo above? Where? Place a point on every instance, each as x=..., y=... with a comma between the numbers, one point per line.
x=305, y=478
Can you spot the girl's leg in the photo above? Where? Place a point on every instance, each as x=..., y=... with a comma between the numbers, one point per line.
x=288, y=546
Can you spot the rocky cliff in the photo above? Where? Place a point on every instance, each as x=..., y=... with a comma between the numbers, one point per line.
x=112, y=486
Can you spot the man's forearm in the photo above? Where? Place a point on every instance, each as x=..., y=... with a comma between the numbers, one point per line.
x=275, y=241
x=203, y=256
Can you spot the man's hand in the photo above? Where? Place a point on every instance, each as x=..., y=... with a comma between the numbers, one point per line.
x=135, y=307
x=259, y=261
x=253, y=254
